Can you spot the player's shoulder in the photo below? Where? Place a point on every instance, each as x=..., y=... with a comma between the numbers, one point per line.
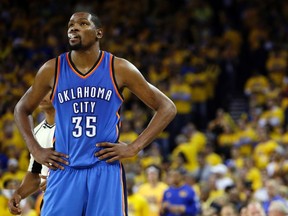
x=49, y=66
x=52, y=63
x=122, y=64
x=119, y=62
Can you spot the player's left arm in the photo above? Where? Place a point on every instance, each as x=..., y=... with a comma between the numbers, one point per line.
x=128, y=76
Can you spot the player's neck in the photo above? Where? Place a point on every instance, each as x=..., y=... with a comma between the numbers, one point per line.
x=83, y=58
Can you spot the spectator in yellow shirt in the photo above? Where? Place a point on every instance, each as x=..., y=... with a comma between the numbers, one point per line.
x=9, y=185
x=137, y=204
x=186, y=152
x=237, y=160
x=195, y=137
x=157, y=74
x=9, y=135
x=264, y=149
x=284, y=138
x=276, y=66
x=198, y=82
x=180, y=93
x=256, y=87
x=151, y=156
x=246, y=136
x=226, y=141
x=212, y=158
x=13, y=171
x=216, y=126
x=153, y=190
x=252, y=174
x=273, y=116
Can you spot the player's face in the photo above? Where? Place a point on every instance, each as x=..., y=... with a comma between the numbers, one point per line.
x=82, y=33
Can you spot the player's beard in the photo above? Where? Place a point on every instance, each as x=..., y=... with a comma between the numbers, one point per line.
x=80, y=46
x=77, y=46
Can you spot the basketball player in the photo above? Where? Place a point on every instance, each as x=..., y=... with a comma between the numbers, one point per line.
x=86, y=177
x=44, y=134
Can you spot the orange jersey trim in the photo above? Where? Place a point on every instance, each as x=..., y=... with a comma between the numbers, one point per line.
x=116, y=89
x=91, y=71
x=112, y=78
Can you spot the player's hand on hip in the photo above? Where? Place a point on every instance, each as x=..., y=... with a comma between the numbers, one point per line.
x=50, y=158
x=114, y=151
x=14, y=204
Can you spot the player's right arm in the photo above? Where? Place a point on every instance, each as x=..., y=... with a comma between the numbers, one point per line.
x=29, y=185
x=43, y=83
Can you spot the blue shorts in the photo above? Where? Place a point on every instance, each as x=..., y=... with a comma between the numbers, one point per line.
x=96, y=191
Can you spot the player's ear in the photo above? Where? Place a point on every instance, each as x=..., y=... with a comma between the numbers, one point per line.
x=99, y=33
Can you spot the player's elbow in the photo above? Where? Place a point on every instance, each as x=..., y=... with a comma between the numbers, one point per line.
x=19, y=110
x=170, y=109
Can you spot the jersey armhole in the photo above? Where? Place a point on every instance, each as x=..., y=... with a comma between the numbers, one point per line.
x=57, y=71
x=119, y=91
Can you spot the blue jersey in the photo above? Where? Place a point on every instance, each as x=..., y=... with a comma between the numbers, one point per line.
x=87, y=109
x=183, y=195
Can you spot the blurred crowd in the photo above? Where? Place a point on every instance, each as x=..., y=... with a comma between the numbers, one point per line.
x=200, y=53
